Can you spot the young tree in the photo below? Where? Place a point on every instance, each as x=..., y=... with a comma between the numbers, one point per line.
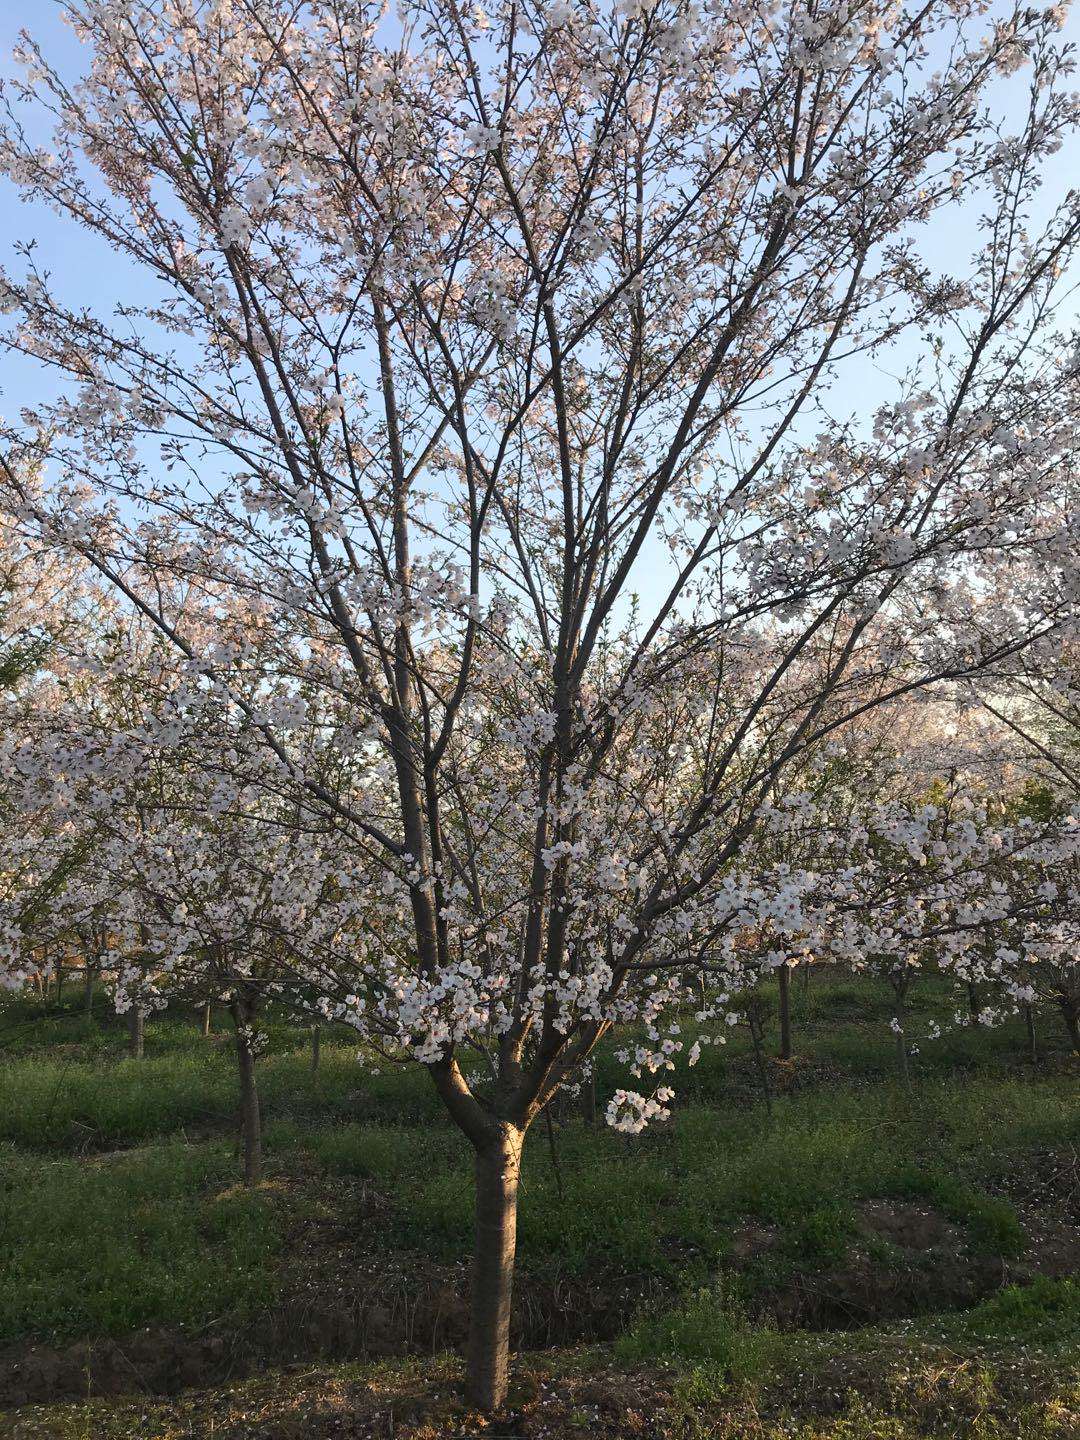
x=474, y=323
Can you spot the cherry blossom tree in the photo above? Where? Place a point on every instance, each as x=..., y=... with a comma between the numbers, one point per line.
x=502, y=367
x=42, y=622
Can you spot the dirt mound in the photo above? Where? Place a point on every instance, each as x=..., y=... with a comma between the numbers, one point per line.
x=342, y=1303
x=391, y=1314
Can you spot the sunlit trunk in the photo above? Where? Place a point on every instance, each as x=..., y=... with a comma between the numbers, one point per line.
x=498, y=1167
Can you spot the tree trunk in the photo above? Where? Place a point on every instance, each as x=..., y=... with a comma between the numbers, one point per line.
x=901, y=1055
x=973, y=1003
x=136, y=1022
x=588, y=1098
x=1033, y=1044
x=498, y=1167
x=207, y=1019
x=1071, y=1014
x=754, y=1022
x=785, y=1012
x=250, y=1118
x=901, y=980
x=315, y=1043
x=88, y=990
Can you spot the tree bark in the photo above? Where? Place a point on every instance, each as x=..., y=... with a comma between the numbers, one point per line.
x=315, y=1047
x=588, y=1098
x=755, y=1026
x=88, y=989
x=207, y=1019
x=498, y=1169
x=901, y=1055
x=973, y=1003
x=901, y=981
x=1071, y=1014
x=785, y=1012
x=250, y=1117
x=1033, y=1044
x=136, y=1032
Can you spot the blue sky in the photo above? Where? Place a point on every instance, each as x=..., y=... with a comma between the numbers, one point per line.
x=85, y=270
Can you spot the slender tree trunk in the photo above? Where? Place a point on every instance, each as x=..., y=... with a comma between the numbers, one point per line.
x=250, y=1117
x=760, y=1062
x=498, y=1168
x=900, y=982
x=136, y=1022
x=1033, y=1044
x=315, y=1048
x=588, y=1098
x=785, y=1012
x=1070, y=1011
x=88, y=989
x=973, y=1003
x=902, y=1060
x=59, y=981
x=207, y=1018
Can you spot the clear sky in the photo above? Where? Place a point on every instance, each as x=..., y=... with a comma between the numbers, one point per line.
x=86, y=271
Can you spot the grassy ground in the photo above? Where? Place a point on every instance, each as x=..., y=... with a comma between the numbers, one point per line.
x=871, y=1234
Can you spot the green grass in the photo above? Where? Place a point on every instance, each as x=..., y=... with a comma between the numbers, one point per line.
x=161, y=1235
x=1045, y=1313
x=666, y=1203
x=992, y=1223
x=835, y=1388
x=99, y=1243
x=708, y=1331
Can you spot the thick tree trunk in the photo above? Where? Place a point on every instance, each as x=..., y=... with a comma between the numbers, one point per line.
x=136, y=1032
x=498, y=1168
x=785, y=1012
x=250, y=1117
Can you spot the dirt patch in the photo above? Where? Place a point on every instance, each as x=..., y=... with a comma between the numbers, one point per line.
x=929, y=1266
x=750, y=1240
x=893, y=1387
x=342, y=1301
x=862, y=1292
x=1049, y=1181
x=910, y=1227
x=377, y=1314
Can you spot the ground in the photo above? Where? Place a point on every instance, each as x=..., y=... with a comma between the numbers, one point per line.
x=856, y=1260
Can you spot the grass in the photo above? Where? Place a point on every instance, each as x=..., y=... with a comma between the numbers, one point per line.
x=119, y=1206
x=707, y=1330
x=161, y=1235
x=881, y=1387
x=1045, y=1313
